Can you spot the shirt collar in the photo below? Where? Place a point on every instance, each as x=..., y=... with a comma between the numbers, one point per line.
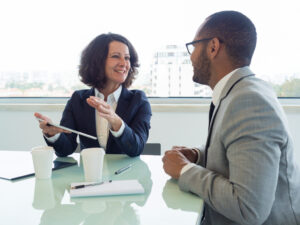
x=220, y=86
x=113, y=97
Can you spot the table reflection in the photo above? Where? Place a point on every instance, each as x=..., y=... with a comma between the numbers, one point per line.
x=53, y=197
x=187, y=202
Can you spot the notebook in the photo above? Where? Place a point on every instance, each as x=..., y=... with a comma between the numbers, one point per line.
x=15, y=165
x=116, y=187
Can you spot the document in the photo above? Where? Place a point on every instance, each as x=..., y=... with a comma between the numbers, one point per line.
x=115, y=187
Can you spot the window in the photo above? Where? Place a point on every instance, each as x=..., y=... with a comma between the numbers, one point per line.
x=41, y=42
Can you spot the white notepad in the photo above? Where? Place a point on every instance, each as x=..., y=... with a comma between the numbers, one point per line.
x=116, y=187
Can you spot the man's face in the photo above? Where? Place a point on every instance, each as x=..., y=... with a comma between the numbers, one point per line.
x=201, y=64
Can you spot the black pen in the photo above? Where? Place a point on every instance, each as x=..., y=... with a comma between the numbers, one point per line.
x=88, y=185
x=123, y=169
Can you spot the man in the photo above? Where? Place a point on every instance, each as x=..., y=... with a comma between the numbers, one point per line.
x=245, y=174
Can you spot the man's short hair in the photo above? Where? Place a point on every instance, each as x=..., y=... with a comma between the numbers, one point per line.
x=236, y=31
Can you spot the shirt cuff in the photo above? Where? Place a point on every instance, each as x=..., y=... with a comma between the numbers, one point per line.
x=53, y=138
x=198, y=157
x=119, y=132
x=187, y=167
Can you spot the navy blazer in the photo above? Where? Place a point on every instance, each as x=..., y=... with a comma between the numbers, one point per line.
x=134, y=109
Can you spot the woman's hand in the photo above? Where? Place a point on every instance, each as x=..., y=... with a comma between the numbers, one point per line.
x=106, y=112
x=47, y=130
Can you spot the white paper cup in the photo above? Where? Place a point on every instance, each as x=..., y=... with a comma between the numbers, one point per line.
x=92, y=159
x=42, y=157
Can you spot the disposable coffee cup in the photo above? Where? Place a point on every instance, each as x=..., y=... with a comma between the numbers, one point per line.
x=92, y=159
x=42, y=157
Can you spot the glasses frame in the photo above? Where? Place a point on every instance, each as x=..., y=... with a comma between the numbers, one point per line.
x=197, y=41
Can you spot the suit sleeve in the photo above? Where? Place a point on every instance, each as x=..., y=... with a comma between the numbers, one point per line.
x=66, y=143
x=201, y=156
x=136, y=132
x=252, y=134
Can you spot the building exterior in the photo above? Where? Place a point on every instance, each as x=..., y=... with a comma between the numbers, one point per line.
x=171, y=74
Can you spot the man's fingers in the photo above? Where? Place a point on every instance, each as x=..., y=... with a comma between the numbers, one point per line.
x=169, y=151
x=178, y=147
x=164, y=159
x=165, y=168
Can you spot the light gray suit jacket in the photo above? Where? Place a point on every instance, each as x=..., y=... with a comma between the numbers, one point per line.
x=250, y=177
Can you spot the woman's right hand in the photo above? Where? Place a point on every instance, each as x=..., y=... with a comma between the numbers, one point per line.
x=48, y=131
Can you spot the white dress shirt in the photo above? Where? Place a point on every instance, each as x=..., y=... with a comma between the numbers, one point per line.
x=102, y=126
x=215, y=99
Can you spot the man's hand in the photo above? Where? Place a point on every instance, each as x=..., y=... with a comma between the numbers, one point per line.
x=174, y=161
x=189, y=153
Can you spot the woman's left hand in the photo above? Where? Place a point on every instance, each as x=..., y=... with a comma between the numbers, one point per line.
x=105, y=111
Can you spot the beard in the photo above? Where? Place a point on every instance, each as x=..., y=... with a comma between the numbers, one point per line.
x=202, y=71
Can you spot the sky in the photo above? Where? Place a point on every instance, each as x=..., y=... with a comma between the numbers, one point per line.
x=50, y=34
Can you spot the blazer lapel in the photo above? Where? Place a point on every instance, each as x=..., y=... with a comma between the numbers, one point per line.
x=123, y=104
x=235, y=78
x=90, y=113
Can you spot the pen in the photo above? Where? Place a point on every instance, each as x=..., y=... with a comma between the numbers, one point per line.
x=123, y=169
x=88, y=185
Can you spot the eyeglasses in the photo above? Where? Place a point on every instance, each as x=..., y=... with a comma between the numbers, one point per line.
x=190, y=46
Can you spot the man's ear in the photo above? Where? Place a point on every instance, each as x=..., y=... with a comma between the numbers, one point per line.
x=213, y=47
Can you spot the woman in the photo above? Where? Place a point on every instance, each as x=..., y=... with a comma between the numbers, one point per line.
x=120, y=118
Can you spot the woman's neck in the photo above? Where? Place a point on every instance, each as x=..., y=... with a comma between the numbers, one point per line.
x=108, y=90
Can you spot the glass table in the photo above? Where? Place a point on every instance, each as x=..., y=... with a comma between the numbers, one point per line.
x=32, y=201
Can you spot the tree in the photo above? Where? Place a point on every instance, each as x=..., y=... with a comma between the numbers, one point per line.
x=290, y=88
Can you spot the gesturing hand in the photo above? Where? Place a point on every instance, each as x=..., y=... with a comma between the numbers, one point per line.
x=105, y=111
x=174, y=161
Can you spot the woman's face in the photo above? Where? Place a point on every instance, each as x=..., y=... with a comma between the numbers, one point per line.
x=117, y=63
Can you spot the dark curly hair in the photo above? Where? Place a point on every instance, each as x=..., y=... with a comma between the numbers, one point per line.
x=93, y=59
x=236, y=31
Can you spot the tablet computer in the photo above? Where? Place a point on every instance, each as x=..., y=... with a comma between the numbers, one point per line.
x=68, y=129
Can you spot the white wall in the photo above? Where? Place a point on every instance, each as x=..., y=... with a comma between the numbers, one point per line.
x=171, y=124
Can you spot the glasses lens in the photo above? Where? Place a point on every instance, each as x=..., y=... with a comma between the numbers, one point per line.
x=191, y=48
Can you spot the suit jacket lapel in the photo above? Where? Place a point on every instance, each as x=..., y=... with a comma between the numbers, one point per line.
x=123, y=104
x=90, y=113
x=235, y=78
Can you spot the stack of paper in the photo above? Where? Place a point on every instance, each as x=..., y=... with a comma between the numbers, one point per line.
x=116, y=187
